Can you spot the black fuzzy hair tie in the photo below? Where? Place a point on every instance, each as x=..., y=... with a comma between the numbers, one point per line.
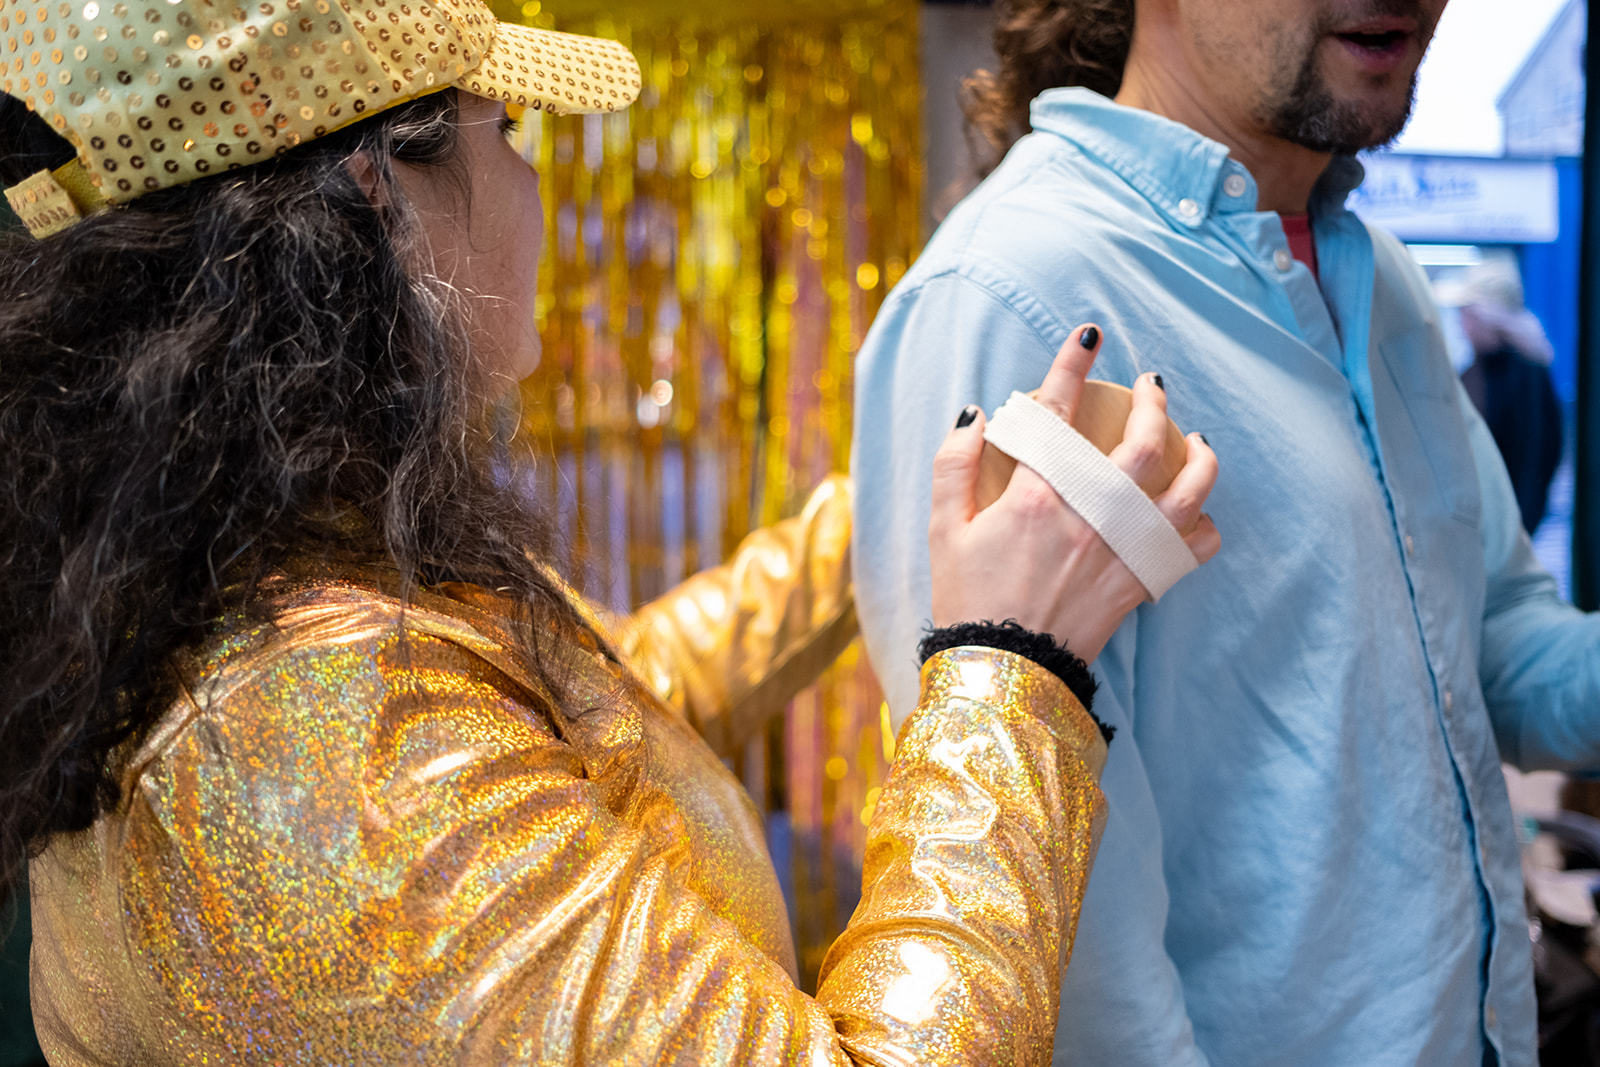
x=1011, y=636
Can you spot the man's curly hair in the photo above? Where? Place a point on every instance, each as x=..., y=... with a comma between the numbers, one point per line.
x=1042, y=44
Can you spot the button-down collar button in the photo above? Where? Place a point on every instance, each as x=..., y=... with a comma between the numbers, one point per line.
x=1188, y=209
x=1411, y=544
x=1282, y=260
x=1234, y=185
x=1450, y=702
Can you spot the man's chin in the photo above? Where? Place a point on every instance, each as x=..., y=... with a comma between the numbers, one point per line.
x=1325, y=122
x=1381, y=127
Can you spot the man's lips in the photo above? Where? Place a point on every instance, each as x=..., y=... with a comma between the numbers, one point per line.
x=1378, y=45
x=1377, y=26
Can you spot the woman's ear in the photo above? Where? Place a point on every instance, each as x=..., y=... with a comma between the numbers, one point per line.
x=365, y=173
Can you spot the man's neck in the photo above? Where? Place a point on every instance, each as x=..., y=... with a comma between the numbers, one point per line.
x=1285, y=172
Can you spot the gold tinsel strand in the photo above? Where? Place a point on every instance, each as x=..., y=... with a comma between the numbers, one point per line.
x=714, y=257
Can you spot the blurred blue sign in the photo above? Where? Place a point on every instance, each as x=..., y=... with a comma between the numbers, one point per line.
x=1460, y=200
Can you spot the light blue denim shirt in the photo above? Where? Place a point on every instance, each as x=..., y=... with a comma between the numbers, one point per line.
x=1310, y=857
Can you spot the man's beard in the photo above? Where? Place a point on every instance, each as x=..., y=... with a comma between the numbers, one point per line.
x=1309, y=116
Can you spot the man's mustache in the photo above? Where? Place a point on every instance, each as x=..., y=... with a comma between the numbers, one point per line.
x=1375, y=9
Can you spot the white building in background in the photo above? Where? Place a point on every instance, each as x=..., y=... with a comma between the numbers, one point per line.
x=1461, y=199
x=1541, y=108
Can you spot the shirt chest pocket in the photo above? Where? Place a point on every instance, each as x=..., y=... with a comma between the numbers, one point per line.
x=1427, y=448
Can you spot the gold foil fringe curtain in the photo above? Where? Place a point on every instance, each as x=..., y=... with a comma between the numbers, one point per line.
x=714, y=257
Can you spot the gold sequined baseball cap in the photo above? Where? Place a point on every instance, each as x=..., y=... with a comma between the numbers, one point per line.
x=155, y=93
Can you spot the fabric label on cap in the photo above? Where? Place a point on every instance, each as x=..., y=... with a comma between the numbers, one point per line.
x=42, y=204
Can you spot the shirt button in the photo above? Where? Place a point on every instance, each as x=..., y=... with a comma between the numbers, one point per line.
x=1282, y=260
x=1411, y=545
x=1234, y=185
x=1450, y=702
x=1188, y=209
x=1488, y=1015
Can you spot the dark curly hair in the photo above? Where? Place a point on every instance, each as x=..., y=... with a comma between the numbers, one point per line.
x=1042, y=44
x=201, y=385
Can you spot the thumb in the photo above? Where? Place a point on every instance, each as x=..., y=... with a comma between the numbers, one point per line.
x=955, y=475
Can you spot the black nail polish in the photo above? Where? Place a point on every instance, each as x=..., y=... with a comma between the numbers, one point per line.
x=1161, y=385
x=1089, y=338
x=968, y=414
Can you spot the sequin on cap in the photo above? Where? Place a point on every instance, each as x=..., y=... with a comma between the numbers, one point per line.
x=155, y=93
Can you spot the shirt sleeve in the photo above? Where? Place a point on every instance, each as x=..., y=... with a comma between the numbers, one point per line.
x=1123, y=990
x=950, y=342
x=731, y=646
x=442, y=876
x=1540, y=659
x=957, y=340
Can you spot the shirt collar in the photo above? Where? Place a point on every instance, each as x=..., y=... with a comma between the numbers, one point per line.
x=1341, y=179
x=1187, y=176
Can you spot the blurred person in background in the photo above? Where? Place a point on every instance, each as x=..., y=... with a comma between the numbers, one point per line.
x=1310, y=856
x=1509, y=382
x=310, y=754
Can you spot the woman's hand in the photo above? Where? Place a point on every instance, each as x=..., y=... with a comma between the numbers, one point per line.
x=1028, y=556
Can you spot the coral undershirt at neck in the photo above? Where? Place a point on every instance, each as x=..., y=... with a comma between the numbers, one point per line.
x=1297, y=227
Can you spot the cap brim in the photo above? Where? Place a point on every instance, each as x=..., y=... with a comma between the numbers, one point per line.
x=561, y=73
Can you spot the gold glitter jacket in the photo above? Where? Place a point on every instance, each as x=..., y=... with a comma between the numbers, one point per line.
x=364, y=835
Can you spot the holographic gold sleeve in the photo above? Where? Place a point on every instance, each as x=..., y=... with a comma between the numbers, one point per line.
x=976, y=862
x=361, y=835
x=731, y=646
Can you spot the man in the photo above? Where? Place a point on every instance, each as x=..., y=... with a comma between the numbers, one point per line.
x=1310, y=857
x=1509, y=382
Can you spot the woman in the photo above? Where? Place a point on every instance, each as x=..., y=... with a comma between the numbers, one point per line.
x=316, y=759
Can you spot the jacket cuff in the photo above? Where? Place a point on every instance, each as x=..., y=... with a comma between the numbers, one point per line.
x=1019, y=686
x=1012, y=636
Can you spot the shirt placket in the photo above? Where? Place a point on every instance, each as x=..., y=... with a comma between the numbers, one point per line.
x=1302, y=306
x=1347, y=260
x=1298, y=304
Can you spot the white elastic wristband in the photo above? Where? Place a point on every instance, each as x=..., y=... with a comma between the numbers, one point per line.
x=1097, y=489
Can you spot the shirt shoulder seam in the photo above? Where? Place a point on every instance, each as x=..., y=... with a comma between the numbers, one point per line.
x=1012, y=294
